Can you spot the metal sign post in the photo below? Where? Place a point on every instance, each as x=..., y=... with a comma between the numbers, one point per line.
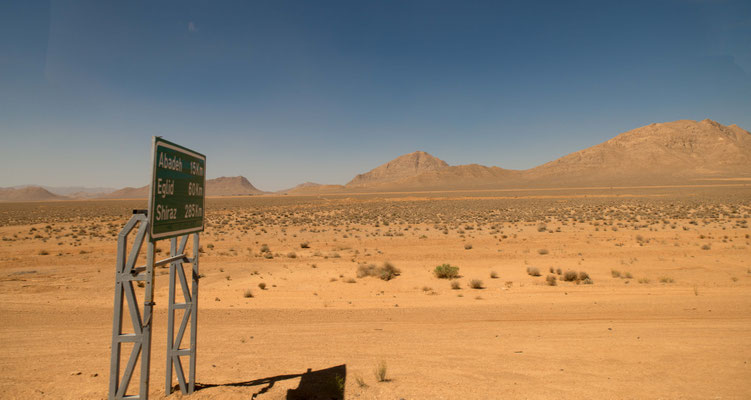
x=176, y=209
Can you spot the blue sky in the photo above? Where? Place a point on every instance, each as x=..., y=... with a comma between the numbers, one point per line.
x=284, y=92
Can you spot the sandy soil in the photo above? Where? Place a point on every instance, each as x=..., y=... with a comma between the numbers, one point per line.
x=675, y=325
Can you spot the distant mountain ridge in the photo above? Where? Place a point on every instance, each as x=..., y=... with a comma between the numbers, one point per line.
x=677, y=152
x=28, y=193
x=660, y=153
x=222, y=186
x=402, y=167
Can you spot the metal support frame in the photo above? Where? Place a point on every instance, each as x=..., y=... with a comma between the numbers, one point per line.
x=190, y=314
x=126, y=272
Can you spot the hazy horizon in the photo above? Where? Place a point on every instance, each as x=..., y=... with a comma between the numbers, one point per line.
x=288, y=92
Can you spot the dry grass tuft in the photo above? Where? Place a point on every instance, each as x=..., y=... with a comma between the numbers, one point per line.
x=387, y=271
x=446, y=271
x=476, y=284
x=380, y=372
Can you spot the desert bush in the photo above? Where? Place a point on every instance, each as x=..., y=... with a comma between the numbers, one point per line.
x=551, y=280
x=570, y=276
x=248, y=294
x=583, y=275
x=587, y=281
x=446, y=271
x=291, y=254
x=262, y=286
x=706, y=247
x=43, y=252
x=475, y=284
x=350, y=280
x=533, y=271
x=386, y=272
x=468, y=246
x=304, y=245
x=643, y=280
x=364, y=270
x=543, y=252
x=666, y=279
x=628, y=275
x=455, y=285
x=493, y=275
x=615, y=273
x=552, y=271
x=558, y=271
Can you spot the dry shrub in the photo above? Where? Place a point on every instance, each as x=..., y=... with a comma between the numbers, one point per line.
x=446, y=271
x=387, y=271
x=475, y=284
x=570, y=276
x=533, y=271
x=551, y=280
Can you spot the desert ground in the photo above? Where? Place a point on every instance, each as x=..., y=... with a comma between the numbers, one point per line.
x=657, y=304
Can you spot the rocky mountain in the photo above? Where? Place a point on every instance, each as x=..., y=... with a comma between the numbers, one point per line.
x=400, y=168
x=670, y=152
x=28, y=193
x=311, y=188
x=128, y=193
x=676, y=152
x=231, y=186
x=223, y=186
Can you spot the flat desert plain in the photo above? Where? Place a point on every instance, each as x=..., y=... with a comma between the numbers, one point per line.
x=642, y=293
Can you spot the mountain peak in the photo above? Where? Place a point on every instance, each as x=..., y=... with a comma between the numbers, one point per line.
x=230, y=186
x=404, y=166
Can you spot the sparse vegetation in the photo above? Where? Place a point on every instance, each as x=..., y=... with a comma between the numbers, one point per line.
x=533, y=271
x=570, y=276
x=446, y=271
x=380, y=372
x=551, y=280
x=386, y=271
x=476, y=284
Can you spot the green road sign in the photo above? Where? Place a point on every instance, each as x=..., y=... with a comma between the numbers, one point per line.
x=178, y=189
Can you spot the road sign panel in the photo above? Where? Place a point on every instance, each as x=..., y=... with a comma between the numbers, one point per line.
x=178, y=190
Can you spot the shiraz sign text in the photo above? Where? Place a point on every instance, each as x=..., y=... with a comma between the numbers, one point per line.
x=178, y=190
